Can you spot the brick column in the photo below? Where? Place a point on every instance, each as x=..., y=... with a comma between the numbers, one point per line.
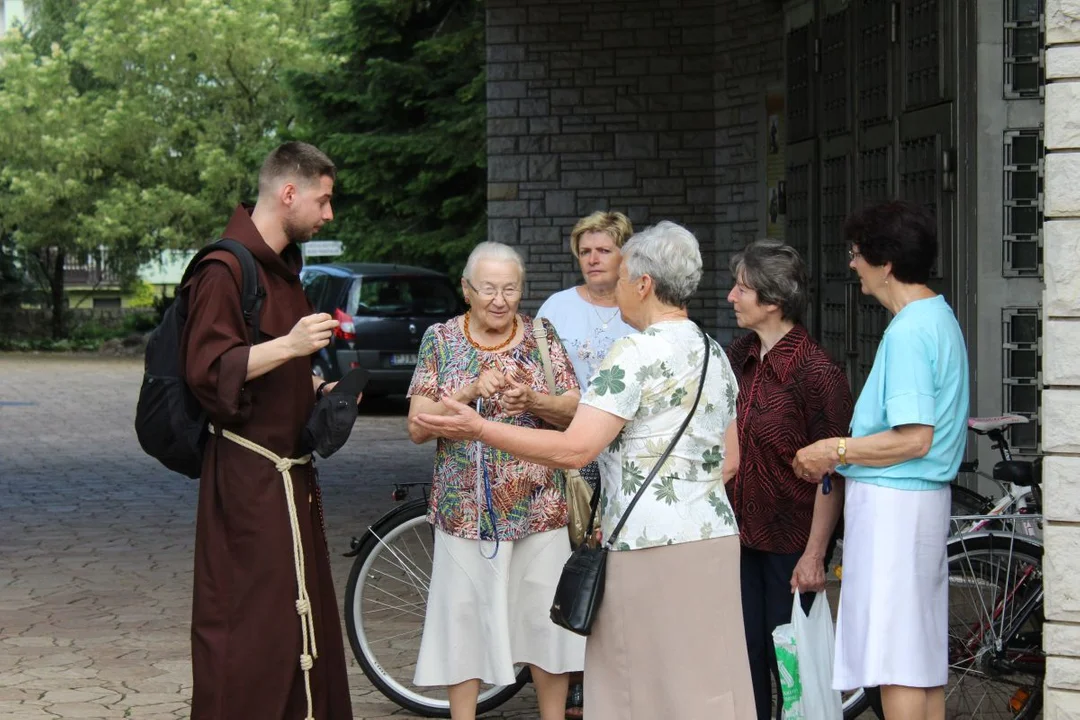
x=1061, y=360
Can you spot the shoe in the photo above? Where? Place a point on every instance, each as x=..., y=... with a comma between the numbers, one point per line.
x=575, y=698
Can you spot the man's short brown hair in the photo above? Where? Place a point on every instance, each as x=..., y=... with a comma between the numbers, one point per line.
x=615, y=224
x=296, y=161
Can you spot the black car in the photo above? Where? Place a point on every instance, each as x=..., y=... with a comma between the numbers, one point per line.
x=384, y=311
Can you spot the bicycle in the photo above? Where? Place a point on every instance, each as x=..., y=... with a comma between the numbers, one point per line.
x=385, y=605
x=996, y=661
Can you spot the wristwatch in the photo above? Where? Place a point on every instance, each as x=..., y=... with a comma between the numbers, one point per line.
x=841, y=451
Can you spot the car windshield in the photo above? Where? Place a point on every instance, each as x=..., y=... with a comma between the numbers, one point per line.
x=401, y=295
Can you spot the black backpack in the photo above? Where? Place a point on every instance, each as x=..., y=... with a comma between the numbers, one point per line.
x=171, y=425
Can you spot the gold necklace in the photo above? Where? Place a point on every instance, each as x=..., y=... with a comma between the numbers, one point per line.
x=592, y=304
x=490, y=348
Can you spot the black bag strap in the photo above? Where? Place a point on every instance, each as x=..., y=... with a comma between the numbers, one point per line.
x=251, y=291
x=671, y=446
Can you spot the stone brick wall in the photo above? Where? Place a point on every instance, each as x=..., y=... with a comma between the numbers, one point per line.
x=1061, y=360
x=654, y=108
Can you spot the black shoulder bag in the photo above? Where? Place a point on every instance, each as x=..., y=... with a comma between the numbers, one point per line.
x=581, y=585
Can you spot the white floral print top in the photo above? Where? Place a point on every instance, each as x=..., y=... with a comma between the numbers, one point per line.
x=650, y=380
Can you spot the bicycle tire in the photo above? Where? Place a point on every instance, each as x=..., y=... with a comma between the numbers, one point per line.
x=406, y=523
x=977, y=561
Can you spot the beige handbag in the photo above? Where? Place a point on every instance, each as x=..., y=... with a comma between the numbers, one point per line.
x=578, y=493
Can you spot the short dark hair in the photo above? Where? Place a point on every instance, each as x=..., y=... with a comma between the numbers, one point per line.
x=297, y=161
x=777, y=273
x=897, y=232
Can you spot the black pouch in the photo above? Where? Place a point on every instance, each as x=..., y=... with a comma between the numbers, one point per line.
x=330, y=424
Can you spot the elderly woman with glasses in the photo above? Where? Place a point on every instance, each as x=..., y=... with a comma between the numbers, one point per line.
x=668, y=640
x=500, y=520
x=790, y=394
x=908, y=435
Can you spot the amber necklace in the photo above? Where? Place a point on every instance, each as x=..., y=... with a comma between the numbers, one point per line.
x=490, y=348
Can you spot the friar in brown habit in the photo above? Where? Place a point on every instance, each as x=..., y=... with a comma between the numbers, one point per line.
x=265, y=635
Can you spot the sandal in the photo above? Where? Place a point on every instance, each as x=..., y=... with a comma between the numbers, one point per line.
x=575, y=698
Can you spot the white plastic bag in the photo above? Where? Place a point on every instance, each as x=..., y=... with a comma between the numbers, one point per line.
x=804, y=657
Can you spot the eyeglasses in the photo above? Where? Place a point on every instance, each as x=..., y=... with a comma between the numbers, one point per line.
x=490, y=292
x=852, y=254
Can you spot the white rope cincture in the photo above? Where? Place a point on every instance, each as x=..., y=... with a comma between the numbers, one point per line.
x=284, y=466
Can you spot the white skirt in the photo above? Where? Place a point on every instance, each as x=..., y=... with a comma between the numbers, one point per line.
x=893, y=622
x=483, y=616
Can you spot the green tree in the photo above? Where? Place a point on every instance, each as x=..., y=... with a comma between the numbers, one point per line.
x=134, y=125
x=403, y=117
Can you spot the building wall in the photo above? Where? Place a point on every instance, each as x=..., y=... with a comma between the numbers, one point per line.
x=651, y=107
x=1061, y=360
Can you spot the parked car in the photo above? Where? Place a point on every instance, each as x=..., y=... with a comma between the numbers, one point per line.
x=384, y=311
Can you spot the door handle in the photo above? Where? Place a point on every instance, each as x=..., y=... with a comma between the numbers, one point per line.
x=948, y=173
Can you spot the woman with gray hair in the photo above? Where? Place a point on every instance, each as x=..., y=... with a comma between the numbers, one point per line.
x=790, y=395
x=500, y=520
x=667, y=641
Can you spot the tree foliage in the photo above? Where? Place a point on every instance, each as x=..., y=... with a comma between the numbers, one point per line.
x=403, y=117
x=135, y=125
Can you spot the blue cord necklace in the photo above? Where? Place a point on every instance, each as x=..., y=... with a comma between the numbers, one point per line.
x=484, y=484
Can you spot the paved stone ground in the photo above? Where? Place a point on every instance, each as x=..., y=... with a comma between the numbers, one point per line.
x=96, y=544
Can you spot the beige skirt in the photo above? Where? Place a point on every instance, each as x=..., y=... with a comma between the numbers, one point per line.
x=668, y=640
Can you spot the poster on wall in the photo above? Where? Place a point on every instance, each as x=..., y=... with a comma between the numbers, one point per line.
x=775, y=186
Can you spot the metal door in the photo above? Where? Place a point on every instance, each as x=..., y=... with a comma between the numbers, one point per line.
x=874, y=119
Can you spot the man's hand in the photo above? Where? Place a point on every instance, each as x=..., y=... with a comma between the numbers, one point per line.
x=490, y=382
x=517, y=398
x=310, y=334
x=809, y=574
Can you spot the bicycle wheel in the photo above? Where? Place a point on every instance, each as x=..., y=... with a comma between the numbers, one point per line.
x=385, y=604
x=996, y=661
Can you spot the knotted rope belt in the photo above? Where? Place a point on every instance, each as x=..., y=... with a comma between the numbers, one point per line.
x=284, y=466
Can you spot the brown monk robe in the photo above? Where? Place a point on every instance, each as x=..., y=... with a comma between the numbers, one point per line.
x=245, y=630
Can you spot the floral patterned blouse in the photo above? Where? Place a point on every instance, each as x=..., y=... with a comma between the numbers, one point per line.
x=650, y=379
x=527, y=498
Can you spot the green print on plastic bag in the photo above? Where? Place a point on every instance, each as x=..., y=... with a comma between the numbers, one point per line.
x=787, y=663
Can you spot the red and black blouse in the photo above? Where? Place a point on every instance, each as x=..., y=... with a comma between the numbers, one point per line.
x=789, y=399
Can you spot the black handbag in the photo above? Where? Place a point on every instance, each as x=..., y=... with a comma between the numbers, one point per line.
x=581, y=585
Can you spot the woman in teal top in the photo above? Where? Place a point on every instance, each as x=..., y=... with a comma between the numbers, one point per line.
x=908, y=435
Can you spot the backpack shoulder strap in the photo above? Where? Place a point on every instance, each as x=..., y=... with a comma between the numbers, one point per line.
x=251, y=291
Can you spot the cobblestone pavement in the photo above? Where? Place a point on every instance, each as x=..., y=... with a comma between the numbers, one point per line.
x=96, y=543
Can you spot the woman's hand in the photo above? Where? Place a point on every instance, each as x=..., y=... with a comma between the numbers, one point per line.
x=490, y=382
x=460, y=423
x=517, y=398
x=809, y=574
x=813, y=462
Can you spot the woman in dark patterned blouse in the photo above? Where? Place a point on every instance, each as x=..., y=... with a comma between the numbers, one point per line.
x=790, y=394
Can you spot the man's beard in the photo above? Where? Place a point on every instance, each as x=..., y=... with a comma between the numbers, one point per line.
x=297, y=233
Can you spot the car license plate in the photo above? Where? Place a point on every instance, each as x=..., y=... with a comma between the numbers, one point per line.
x=403, y=359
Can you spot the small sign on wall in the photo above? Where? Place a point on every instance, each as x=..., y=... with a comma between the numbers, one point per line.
x=775, y=186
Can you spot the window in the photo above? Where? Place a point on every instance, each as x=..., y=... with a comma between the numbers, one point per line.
x=1022, y=373
x=1024, y=72
x=1023, y=193
x=398, y=295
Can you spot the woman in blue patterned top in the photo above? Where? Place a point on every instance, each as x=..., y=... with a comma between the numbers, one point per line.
x=908, y=435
